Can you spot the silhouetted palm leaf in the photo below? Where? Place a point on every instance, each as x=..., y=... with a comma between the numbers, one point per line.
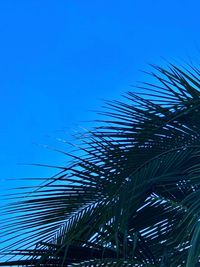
x=131, y=196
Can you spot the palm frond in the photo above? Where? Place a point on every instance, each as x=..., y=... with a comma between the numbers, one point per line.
x=130, y=196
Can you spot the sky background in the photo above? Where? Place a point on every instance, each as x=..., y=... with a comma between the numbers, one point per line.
x=59, y=59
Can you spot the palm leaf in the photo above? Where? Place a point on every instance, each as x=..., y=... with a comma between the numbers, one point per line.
x=130, y=196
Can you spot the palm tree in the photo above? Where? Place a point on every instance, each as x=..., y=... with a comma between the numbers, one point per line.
x=130, y=197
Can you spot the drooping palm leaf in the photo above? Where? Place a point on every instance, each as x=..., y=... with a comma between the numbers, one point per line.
x=131, y=195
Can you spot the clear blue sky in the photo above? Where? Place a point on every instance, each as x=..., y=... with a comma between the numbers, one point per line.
x=59, y=58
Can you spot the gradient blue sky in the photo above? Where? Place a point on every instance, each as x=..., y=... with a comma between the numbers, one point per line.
x=58, y=59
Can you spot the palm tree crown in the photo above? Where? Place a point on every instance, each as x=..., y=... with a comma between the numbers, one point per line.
x=132, y=198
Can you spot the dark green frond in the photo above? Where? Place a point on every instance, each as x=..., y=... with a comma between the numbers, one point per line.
x=129, y=197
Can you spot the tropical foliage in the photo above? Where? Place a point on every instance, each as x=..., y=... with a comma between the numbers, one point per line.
x=130, y=196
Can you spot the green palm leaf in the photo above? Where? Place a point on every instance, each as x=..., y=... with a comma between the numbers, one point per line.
x=130, y=196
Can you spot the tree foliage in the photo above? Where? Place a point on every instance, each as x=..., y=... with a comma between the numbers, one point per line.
x=132, y=198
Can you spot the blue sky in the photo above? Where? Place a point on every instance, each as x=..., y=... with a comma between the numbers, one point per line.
x=58, y=59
